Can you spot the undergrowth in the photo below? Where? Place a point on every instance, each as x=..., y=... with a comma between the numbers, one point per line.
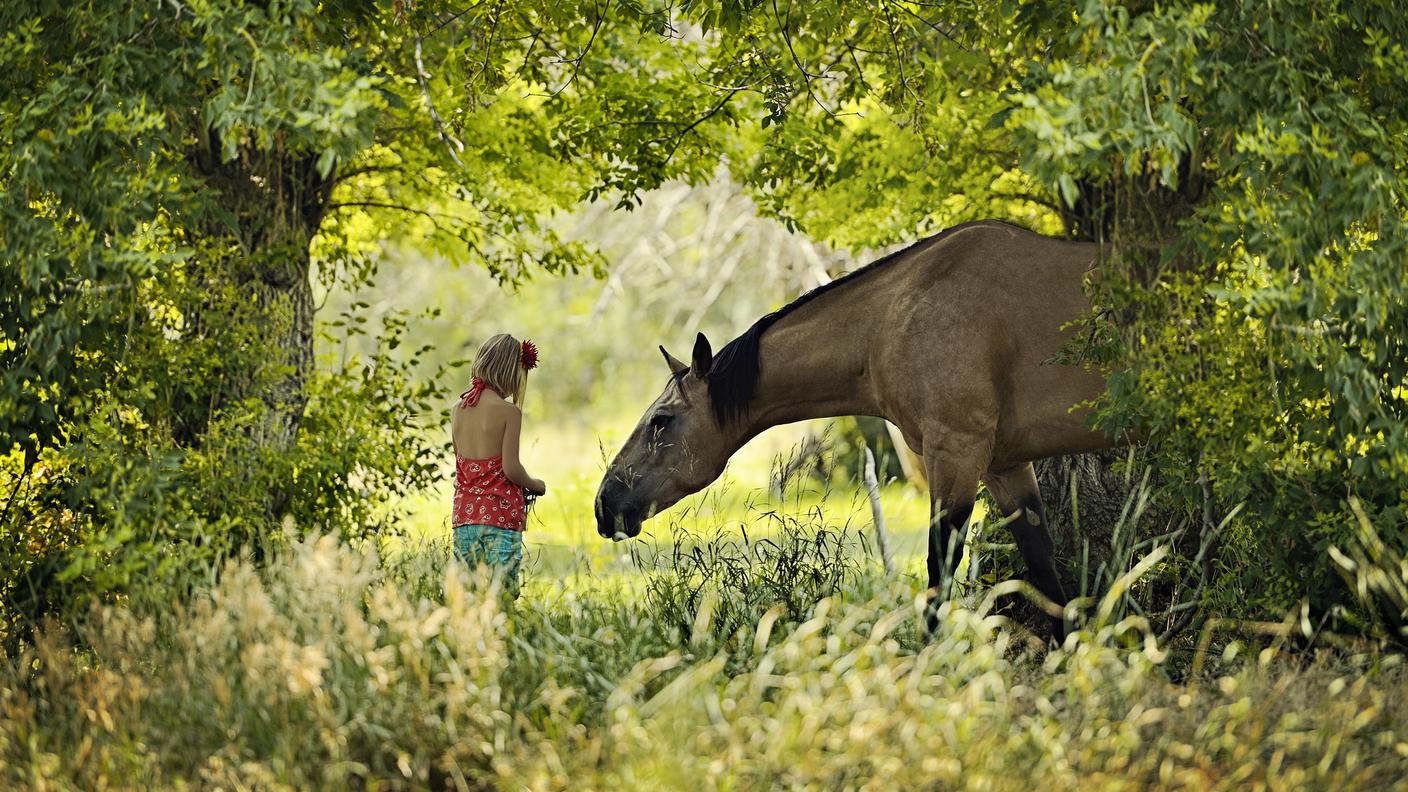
x=736, y=663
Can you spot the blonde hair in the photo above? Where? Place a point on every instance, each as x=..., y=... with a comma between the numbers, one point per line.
x=500, y=364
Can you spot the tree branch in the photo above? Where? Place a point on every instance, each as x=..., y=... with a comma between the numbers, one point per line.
x=899, y=59
x=577, y=61
x=679, y=137
x=29, y=456
x=528, y=53
x=806, y=75
x=452, y=144
x=937, y=29
x=452, y=18
x=433, y=217
x=488, y=46
x=860, y=73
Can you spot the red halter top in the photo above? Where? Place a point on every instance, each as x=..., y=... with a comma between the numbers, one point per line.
x=484, y=495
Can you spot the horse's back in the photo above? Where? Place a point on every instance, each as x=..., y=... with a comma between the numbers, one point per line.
x=1014, y=285
x=987, y=306
x=1016, y=265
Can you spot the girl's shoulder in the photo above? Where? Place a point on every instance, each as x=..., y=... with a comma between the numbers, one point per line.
x=505, y=406
x=502, y=410
x=458, y=406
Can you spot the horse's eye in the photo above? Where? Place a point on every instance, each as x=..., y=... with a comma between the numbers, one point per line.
x=659, y=421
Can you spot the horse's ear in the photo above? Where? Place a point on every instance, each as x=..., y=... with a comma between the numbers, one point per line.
x=676, y=366
x=703, y=356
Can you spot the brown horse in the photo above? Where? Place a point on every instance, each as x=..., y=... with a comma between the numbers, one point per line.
x=951, y=340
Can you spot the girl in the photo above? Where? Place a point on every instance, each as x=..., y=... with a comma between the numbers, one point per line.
x=490, y=481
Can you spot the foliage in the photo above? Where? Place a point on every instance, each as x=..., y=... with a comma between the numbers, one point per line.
x=1260, y=340
x=103, y=106
x=170, y=178
x=332, y=667
x=167, y=175
x=128, y=510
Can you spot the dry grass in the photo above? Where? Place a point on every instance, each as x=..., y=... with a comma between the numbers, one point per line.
x=334, y=669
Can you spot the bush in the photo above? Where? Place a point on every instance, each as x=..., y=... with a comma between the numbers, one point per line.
x=126, y=508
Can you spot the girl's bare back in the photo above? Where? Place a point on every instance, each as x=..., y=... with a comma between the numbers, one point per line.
x=478, y=431
x=492, y=428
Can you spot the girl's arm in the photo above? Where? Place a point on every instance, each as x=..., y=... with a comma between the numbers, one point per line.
x=513, y=467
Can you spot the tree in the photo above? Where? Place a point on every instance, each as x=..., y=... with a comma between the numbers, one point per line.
x=1260, y=325
x=169, y=174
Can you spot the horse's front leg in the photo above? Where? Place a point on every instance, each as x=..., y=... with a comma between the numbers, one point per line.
x=1018, y=496
x=953, y=471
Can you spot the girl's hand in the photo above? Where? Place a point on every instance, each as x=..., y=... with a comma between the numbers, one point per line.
x=537, y=487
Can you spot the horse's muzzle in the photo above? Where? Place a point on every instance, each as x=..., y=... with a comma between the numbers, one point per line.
x=615, y=517
x=617, y=525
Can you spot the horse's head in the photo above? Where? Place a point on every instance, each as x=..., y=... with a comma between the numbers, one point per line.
x=676, y=449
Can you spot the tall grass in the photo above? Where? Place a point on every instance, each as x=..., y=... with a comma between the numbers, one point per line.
x=333, y=667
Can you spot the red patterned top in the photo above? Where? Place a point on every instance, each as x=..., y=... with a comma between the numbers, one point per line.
x=484, y=494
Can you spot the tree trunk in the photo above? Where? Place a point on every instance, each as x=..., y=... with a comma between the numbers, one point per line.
x=911, y=463
x=1088, y=520
x=285, y=299
x=253, y=300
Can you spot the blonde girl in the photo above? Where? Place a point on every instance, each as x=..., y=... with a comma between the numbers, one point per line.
x=490, y=481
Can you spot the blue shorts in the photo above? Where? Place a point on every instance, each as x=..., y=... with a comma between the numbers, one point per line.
x=497, y=548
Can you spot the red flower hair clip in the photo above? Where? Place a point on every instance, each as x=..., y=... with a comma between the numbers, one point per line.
x=528, y=356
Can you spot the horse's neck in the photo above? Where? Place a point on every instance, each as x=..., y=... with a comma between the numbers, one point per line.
x=814, y=363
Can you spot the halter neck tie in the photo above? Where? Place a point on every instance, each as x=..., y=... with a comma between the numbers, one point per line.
x=477, y=386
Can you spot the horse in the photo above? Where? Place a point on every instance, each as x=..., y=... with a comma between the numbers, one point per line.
x=953, y=340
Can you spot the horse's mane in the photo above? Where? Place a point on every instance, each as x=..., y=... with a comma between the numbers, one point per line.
x=734, y=372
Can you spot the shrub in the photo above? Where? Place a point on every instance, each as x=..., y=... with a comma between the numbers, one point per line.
x=127, y=508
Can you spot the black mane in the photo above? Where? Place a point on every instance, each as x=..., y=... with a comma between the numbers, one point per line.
x=734, y=372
